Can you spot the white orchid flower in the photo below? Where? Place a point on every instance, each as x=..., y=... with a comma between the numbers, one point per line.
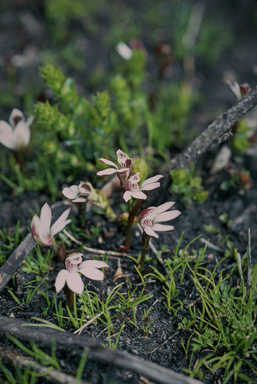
x=124, y=161
x=75, y=266
x=15, y=135
x=150, y=217
x=77, y=193
x=135, y=191
x=41, y=228
x=124, y=51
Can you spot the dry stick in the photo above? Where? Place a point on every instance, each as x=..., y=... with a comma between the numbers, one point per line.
x=53, y=375
x=16, y=259
x=93, y=250
x=214, y=134
x=97, y=352
x=87, y=323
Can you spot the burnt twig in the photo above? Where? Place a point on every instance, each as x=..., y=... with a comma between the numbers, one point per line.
x=53, y=375
x=97, y=352
x=215, y=133
x=16, y=259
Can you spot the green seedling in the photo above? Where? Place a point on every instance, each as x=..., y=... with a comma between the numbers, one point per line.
x=224, y=242
x=90, y=304
x=93, y=233
x=114, y=345
x=40, y=264
x=240, y=140
x=59, y=312
x=227, y=322
x=81, y=366
x=28, y=296
x=11, y=241
x=131, y=302
x=188, y=186
x=186, y=347
x=37, y=353
x=44, y=323
x=146, y=324
x=134, y=321
x=27, y=376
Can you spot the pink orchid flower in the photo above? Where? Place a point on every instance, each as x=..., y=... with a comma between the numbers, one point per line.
x=149, y=219
x=75, y=266
x=41, y=228
x=124, y=161
x=77, y=193
x=135, y=191
x=239, y=90
x=15, y=135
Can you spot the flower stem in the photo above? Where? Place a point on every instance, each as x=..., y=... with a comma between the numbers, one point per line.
x=70, y=297
x=131, y=217
x=145, y=243
x=82, y=209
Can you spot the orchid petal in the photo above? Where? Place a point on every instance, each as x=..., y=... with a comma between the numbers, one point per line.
x=150, y=232
x=60, y=223
x=127, y=196
x=166, y=216
x=92, y=273
x=161, y=208
x=74, y=258
x=45, y=219
x=149, y=187
x=106, y=172
x=21, y=134
x=69, y=193
x=121, y=155
x=93, y=264
x=162, y=228
x=6, y=135
x=123, y=170
x=151, y=180
x=61, y=279
x=79, y=200
x=108, y=162
x=139, y=195
x=35, y=224
x=74, y=188
x=15, y=113
x=75, y=282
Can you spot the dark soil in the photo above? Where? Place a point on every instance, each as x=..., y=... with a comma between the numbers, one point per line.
x=162, y=344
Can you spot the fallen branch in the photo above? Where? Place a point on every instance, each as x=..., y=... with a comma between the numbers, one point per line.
x=53, y=375
x=16, y=259
x=215, y=133
x=66, y=341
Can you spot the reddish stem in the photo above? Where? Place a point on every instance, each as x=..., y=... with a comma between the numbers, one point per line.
x=131, y=217
x=145, y=243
